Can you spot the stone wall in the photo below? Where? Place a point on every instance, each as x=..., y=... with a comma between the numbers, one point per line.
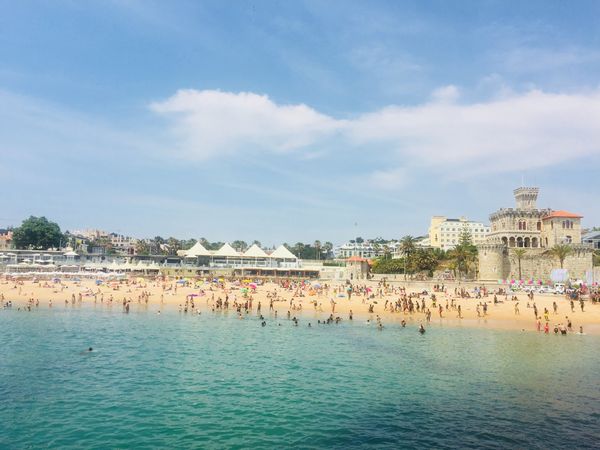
x=493, y=264
x=497, y=263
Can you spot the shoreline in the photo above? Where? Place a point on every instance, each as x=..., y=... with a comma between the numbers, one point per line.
x=148, y=293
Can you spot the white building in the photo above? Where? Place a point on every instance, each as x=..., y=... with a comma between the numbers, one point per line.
x=123, y=244
x=366, y=249
x=445, y=233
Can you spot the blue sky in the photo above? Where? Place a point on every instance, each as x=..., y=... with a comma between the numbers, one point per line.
x=287, y=121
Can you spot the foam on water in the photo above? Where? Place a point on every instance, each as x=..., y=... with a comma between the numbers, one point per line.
x=180, y=381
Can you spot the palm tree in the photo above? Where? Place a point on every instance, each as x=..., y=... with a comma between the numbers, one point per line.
x=328, y=247
x=317, y=246
x=519, y=253
x=407, y=246
x=561, y=251
x=464, y=256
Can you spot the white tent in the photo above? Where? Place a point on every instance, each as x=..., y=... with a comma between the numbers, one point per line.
x=197, y=250
x=71, y=253
x=283, y=253
x=226, y=250
x=255, y=252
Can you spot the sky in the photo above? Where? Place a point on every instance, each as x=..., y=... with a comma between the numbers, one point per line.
x=295, y=121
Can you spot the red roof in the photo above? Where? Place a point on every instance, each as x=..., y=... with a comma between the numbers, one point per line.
x=563, y=214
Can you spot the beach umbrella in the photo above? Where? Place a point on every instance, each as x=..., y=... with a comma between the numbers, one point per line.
x=252, y=285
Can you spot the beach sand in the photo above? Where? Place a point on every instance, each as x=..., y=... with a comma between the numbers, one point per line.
x=167, y=295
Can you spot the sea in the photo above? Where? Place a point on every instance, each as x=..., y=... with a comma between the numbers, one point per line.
x=213, y=380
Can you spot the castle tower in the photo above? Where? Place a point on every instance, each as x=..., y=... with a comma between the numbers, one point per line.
x=526, y=198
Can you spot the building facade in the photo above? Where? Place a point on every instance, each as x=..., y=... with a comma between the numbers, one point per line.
x=6, y=239
x=366, y=249
x=445, y=233
x=536, y=231
x=592, y=239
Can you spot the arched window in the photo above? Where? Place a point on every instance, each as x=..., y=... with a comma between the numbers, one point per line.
x=539, y=226
x=511, y=242
x=519, y=242
x=522, y=225
x=534, y=242
x=505, y=241
x=527, y=242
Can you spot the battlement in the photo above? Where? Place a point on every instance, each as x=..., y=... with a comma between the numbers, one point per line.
x=526, y=197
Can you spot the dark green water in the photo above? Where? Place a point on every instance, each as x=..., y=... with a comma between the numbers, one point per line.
x=213, y=381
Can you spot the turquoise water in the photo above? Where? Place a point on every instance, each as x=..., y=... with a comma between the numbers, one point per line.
x=213, y=381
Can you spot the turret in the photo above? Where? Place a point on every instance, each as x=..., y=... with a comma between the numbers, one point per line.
x=526, y=197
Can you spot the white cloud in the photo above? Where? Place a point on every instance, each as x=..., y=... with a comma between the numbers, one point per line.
x=446, y=94
x=524, y=131
x=513, y=132
x=212, y=123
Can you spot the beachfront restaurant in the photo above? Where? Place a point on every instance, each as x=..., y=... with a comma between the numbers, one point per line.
x=228, y=258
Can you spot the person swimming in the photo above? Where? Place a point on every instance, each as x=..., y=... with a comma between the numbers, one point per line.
x=421, y=329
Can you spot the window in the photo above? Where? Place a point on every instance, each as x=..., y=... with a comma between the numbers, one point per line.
x=539, y=226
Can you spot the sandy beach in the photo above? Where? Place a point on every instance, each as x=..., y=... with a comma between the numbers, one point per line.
x=299, y=300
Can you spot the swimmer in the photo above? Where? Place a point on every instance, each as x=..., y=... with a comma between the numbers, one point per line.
x=421, y=329
x=89, y=350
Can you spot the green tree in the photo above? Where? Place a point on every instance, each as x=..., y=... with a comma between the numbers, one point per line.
x=317, y=245
x=186, y=244
x=561, y=251
x=37, y=233
x=240, y=246
x=383, y=265
x=407, y=247
x=425, y=260
x=465, y=238
x=519, y=253
x=173, y=246
x=359, y=240
x=464, y=255
x=328, y=248
x=142, y=247
x=255, y=242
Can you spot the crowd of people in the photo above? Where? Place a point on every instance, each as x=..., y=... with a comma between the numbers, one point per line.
x=298, y=298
